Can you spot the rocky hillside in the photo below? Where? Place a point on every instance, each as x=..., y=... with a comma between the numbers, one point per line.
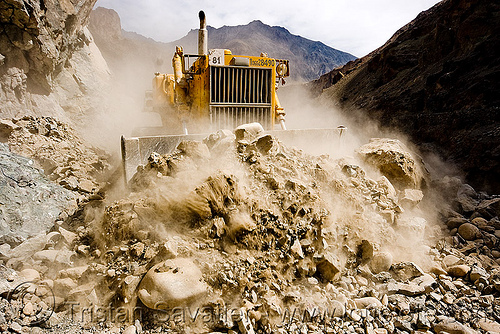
x=308, y=59
x=49, y=64
x=437, y=80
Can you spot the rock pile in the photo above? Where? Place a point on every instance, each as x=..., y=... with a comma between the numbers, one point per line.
x=58, y=150
x=241, y=234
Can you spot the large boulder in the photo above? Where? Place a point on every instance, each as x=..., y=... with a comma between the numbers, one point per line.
x=30, y=202
x=393, y=159
x=171, y=283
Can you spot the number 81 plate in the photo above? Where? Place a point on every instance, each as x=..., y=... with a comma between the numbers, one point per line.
x=216, y=57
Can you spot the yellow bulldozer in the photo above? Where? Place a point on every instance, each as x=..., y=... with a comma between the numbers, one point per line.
x=215, y=90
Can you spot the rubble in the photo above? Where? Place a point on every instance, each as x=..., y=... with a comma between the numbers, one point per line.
x=281, y=241
x=57, y=149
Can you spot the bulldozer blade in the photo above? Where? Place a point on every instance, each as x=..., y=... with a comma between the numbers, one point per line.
x=136, y=150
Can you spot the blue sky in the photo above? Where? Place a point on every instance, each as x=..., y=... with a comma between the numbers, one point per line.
x=354, y=26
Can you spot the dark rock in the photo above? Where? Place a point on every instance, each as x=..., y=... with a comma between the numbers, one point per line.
x=455, y=222
x=489, y=208
x=435, y=80
x=469, y=231
x=328, y=267
x=31, y=203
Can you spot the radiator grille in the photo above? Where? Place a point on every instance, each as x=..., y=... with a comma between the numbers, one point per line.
x=240, y=95
x=240, y=85
x=225, y=117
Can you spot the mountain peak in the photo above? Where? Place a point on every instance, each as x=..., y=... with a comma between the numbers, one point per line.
x=308, y=59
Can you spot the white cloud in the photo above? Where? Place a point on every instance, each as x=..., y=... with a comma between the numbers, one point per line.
x=355, y=26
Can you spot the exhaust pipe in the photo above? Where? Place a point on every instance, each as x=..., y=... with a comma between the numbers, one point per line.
x=202, y=35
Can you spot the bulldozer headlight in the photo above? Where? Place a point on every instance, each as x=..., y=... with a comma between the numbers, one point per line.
x=281, y=69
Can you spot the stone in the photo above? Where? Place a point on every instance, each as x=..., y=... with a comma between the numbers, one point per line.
x=74, y=273
x=138, y=326
x=477, y=272
x=130, y=330
x=61, y=256
x=312, y=280
x=452, y=327
x=404, y=271
x=196, y=150
x=15, y=327
x=30, y=274
x=328, y=267
x=129, y=287
x=380, y=331
x=469, y=231
x=171, y=283
x=467, y=203
x=448, y=298
x=489, y=208
x=422, y=321
x=437, y=269
x=6, y=128
x=29, y=247
x=367, y=302
x=458, y=271
x=410, y=289
x=393, y=159
x=450, y=260
x=411, y=198
x=266, y=144
x=63, y=286
x=480, y=222
x=28, y=309
x=68, y=236
x=86, y=185
x=489, y=326
x=338, y=309
x=455, y=222
x=248, y=132
x=426, y=281
x=403, y=325
x=296, y=249
x=380, y=262
x=48, y=255
x=354, y=315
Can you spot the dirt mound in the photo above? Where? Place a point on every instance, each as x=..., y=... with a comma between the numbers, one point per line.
x=249, y=235
x=58, y=150
x=266, y=224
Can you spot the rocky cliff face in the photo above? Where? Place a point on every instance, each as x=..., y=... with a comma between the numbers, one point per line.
x=49, y=64
x=437, y=79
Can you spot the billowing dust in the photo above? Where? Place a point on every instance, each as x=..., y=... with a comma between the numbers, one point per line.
x=264, y=222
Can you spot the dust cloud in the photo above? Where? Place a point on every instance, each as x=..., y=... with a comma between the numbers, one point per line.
x=225, y=200
x=303, y=111
x=124, y=110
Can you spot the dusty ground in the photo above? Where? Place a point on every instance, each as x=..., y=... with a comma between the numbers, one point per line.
x=295, y=243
